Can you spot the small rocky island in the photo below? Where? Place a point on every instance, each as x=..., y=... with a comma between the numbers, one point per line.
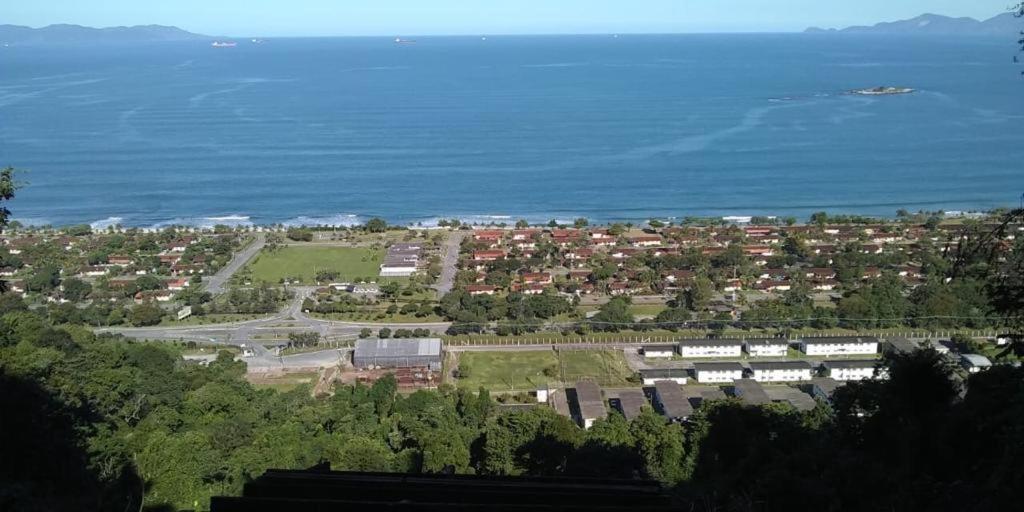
x=882, y=91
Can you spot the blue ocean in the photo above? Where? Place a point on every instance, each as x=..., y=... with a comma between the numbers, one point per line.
x=334, y=131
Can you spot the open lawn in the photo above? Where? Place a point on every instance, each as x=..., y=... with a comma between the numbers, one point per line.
x=285, y=382
x=302, y=262
x=607, y=367
x=524, y=371
x=508, y=371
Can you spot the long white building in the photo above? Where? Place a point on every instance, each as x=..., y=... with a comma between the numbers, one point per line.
x=839, y=346
x=716, y=373
x=852, y=370
x=653, y=375
x=782, y=371
x=711, y=348
x=767, y=347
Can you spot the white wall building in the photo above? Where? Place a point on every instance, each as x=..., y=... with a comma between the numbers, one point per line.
x=711, y=348
x=677, y=375
x=666, y=350
x=851, y=370
x=782, y=371
x=712, y=373
x=767, y=347
x=839, y=346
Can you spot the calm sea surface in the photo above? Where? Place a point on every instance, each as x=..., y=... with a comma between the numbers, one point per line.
x=337, y=130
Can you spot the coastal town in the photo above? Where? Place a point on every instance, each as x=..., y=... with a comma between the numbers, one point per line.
x=720, y=308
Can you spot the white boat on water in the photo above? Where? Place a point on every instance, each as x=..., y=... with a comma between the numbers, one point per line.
x=223, y=44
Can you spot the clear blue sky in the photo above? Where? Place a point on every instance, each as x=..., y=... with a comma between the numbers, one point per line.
x=396, y=17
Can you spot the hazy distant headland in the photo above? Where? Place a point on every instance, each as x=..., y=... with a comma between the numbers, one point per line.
x=1005, y=24
x=65, y=34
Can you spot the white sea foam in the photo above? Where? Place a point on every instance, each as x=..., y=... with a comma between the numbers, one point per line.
x=205, y=222
x=485, y=220
x=103, y=224
x=343, y=219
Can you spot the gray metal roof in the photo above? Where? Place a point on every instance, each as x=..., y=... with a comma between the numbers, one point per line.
x=711, y=343
x=588, y=396
x=673, y=402
x=631, y=401
x=717, y=367
x=839, y=340
x=767, y=341
x=798, y=399
x=976, y=360
x=664, y=373
x=659, y=346
x=409, y=347
x=826, y=385
x=750, y=391
x=903, y=344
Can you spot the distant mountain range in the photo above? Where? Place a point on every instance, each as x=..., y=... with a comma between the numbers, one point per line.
x=1002, y=25
x=62, y=34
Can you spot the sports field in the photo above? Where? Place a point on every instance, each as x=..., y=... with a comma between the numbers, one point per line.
x=303, y=262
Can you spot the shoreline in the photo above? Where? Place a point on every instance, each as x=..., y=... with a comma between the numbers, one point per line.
x=237, y=221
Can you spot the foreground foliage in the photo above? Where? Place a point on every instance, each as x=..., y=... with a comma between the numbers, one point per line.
x=92, y=423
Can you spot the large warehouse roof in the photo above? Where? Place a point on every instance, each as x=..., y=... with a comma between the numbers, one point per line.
x=376, y=348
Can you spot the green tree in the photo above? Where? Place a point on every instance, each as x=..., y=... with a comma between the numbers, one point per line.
x=146, y=314
x=613, y=316
x=376, y=225
x=76, y=290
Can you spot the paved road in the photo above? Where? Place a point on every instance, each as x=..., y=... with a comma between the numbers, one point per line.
x=253, y=333
x=449, y=262
x=215, y=284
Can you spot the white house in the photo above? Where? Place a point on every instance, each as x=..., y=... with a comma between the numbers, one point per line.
x=782, y=371
x=660, y=350
x=653, y=375
x=851, y=370
x=711, y=348
x=767, y=347
x=975, y=363
x=710, y=373
x=846, y=345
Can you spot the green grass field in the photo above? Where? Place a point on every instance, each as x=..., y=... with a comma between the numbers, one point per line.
x=524, y=371
x=607, y=367
x=303, y=262
x=508, y=371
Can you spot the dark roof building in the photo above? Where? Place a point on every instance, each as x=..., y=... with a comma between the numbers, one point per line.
x=823, y=387
x=630, y=402
x=651, y=375
x=671, y=401
x=590, y=403
x=711, y=343
x=798, y=399
x=750, y=391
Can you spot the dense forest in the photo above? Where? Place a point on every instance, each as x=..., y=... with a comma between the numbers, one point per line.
x=102, y=423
